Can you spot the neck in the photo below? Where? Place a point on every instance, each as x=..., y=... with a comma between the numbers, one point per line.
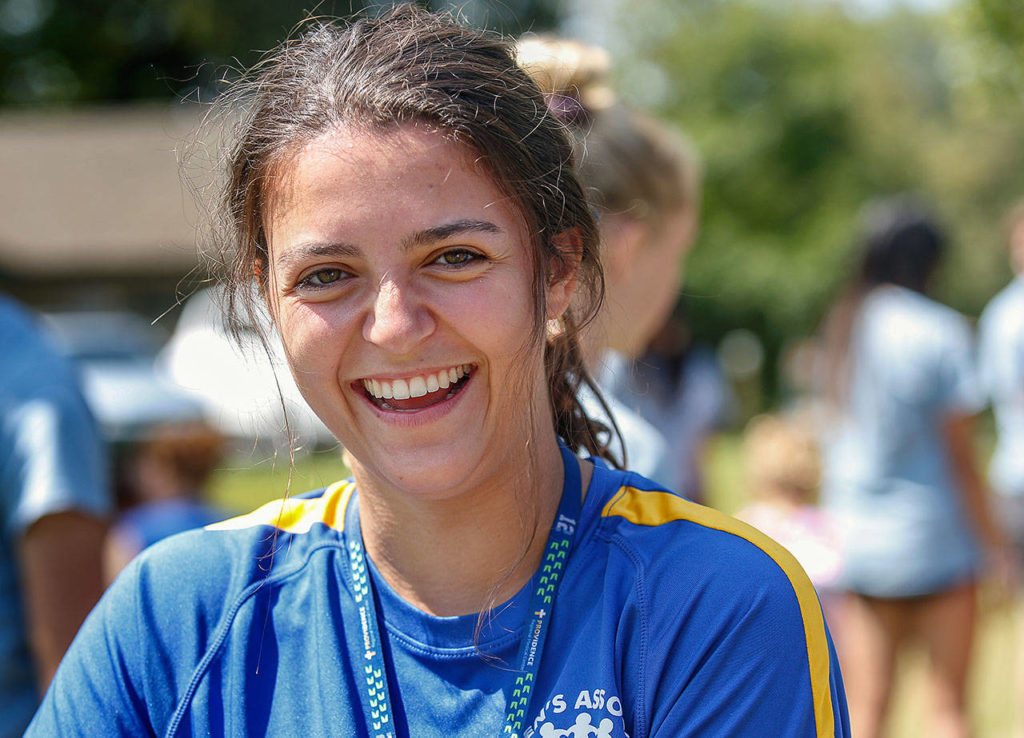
x=460, y=553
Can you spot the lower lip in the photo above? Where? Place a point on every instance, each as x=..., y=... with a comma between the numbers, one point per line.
x=424, y=415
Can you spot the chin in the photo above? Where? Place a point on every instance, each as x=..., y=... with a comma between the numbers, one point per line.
x=423, y=474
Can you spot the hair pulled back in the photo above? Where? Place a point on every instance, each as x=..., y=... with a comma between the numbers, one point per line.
x=415, y=67
x=628, y=162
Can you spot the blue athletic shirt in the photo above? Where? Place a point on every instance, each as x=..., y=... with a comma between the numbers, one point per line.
x=672, y=620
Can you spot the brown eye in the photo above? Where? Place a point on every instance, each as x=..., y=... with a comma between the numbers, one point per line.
x=457, y=257
x=322, y=278
x=325, y=276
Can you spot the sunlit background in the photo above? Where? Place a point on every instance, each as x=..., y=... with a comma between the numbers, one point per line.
x=802, y=110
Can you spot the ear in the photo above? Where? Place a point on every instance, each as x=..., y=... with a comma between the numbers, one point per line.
x=564, y=271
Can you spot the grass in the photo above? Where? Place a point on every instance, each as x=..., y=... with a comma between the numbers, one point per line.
x=996, y=683
x=247, y=481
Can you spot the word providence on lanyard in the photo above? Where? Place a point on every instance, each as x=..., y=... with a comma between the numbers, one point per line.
x=373, y=682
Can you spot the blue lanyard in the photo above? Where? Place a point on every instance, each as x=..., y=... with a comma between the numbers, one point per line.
x=371, y=675
x=368, y=660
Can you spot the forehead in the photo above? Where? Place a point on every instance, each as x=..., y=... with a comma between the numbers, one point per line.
x=410, y=166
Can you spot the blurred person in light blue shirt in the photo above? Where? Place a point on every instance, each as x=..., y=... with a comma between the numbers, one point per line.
x=54, y=499
x=679, y=387
x=159, y=480
x=900, y=478
x=1001, y=351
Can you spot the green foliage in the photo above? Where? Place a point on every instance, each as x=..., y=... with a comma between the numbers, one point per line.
x=802, y=113
x=68, y=51
x=73, y=51
x=1003, y=22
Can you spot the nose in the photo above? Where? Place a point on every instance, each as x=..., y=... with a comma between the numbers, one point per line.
x=398, y=320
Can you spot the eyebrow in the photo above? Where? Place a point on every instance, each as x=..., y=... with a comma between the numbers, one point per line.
x=316, y=248
x=450, y=230
x=420, y=238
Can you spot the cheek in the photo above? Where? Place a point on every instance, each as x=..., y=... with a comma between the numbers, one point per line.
x=493, y=314
x=307, y=334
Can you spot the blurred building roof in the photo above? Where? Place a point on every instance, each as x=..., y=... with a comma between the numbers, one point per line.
x=96, y=191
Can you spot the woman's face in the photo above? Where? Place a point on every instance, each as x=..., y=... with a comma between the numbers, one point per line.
x=401, y=284
x=644, y=271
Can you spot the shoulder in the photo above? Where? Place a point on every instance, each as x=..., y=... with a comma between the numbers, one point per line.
x=51, y=454
x=716, y=591
x=917, y=306
x=672, y=532
x=39, y=386
x=15, y=320
x=676, y=542
x=144, y=649
x=646, y=447
x=1005, y=311
x=226, y=562
x=909, y=321
x=37, y=363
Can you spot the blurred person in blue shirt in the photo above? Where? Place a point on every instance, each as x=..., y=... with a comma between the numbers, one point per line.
x=1001, y=350
x=677, y=385
x=54, y=499
x=900, y=477
x=159, y=481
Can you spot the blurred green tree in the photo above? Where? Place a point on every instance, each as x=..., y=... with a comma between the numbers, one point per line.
x=803, y=112
x=61, y=52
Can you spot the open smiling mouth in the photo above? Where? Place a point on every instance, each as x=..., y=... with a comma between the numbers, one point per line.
x=417, y=393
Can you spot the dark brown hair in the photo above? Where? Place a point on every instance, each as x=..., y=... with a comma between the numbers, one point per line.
x=901, y=243
x=411, y=66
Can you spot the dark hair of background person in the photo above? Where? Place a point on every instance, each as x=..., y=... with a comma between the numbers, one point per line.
x=901, y=244
x=188, y=451
x=405, y=67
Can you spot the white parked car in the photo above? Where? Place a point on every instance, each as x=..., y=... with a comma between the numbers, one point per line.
x=247, y=392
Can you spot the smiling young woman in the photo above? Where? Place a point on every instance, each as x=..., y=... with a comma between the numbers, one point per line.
x=409, y=210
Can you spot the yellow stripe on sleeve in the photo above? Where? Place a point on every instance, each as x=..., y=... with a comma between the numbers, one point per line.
x=652, y=508
x=297, y=515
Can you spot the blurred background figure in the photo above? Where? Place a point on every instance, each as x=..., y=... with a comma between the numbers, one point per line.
x=54, y=500
x=159, y=480
x=1001, y=362
x=1001, y=350
x=900, y=475
x=799, y=369
x=644, y=182
x=783, y=469
x=677, y=385
x=115, y=353
x=161, y=445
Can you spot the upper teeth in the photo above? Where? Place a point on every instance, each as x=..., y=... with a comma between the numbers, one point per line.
x=403, y=389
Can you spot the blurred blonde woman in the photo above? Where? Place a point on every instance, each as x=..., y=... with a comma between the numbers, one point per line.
x=643, y=180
